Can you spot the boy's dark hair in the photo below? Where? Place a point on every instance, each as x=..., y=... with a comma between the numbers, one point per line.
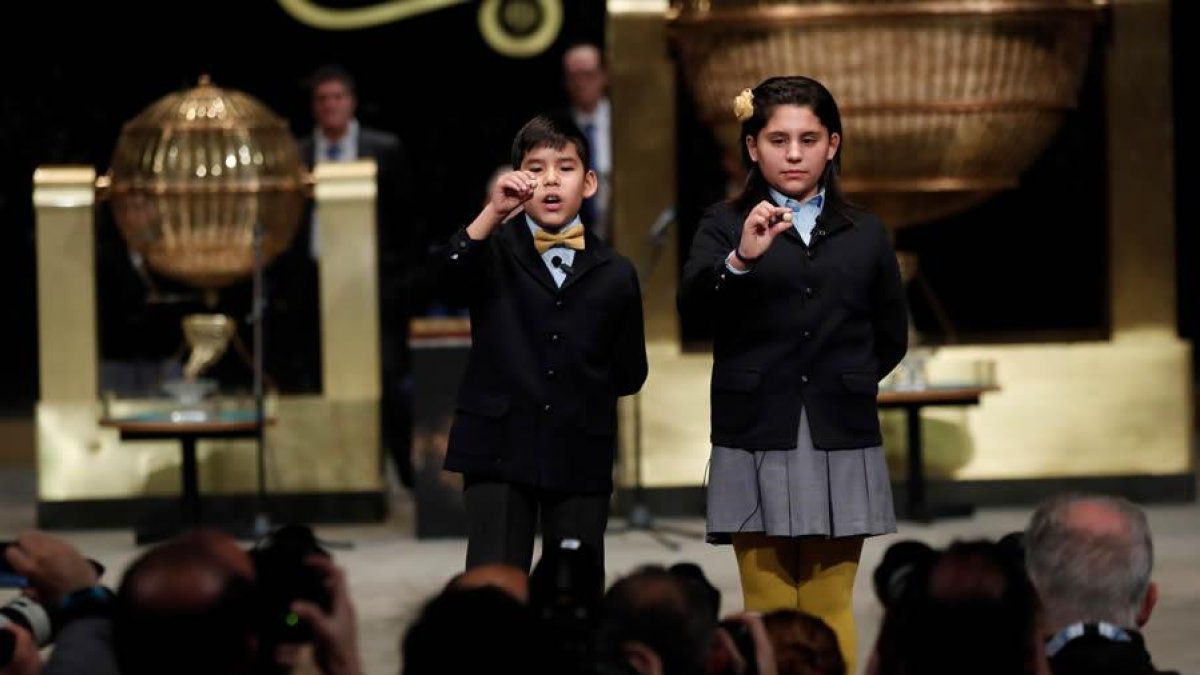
x=801, y=91
x=552, y=130
x=331, y=73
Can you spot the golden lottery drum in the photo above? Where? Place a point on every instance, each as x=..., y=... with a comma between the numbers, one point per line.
x=192, y=175
x=943, y=102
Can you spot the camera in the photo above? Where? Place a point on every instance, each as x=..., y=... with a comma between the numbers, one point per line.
x=901, y=563
x=1013, y=545
x=565, y=592
x=692, y=574
x=25, y=613
x=743, y=639
x=28, y=615
x=283, y=577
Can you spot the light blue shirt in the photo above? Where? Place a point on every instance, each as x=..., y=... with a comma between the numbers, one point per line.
x=804, y=214
x=344, y=149
x=565, y=253
x=325, y=150
x=804, y=217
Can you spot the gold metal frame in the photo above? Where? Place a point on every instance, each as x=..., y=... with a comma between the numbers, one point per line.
x=324, y=443
x=774, y=15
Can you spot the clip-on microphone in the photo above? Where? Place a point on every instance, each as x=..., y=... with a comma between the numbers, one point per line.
x=558, y=263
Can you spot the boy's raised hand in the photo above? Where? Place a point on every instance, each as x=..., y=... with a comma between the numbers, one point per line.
x=509, y=195
x=512, y=190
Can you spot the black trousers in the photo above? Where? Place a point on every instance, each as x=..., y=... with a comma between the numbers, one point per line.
x=502, y=520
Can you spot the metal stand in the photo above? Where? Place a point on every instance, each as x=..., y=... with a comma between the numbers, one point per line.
x=262, y=526
x=262, y=519
x=640, y=518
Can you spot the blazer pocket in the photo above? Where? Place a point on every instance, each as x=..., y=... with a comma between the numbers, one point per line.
x=488, y=405
x=600, y=421
x=733, y=399
x=861, y=383
x=736, y=380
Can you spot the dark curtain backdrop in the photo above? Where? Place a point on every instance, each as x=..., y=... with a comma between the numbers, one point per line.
x=86, y=68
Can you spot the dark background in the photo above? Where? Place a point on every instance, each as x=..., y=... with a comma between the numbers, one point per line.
x=453, y=100
x=1028, y=264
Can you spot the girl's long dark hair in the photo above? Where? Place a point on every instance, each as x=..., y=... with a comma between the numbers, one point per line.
x=792, y=90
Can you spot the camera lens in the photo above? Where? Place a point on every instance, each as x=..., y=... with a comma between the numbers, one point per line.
x=30, y=616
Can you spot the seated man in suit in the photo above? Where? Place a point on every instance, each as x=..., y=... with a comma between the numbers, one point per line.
x=339, y=137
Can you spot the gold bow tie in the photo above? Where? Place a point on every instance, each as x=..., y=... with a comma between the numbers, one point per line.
x=571, y=237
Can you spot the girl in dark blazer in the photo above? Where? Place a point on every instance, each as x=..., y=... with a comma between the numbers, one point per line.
x=808, y=314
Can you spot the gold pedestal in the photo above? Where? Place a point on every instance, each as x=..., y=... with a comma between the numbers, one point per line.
x=319, y=445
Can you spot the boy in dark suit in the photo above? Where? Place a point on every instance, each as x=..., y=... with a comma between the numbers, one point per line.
x=557, y=337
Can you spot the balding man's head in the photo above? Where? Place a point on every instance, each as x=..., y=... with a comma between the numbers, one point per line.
x=1090, y=558
x=507, y=578
x=187, y=607
x=666, y=613
x=188, y=573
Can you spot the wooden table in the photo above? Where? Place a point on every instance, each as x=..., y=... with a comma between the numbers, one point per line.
x=158, y=428
x=915, y=507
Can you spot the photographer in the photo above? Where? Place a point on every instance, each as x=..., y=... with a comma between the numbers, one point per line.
x=201, y=604
x=67, y=586
x=196, y=604
x=967, y=609
x=656, y=622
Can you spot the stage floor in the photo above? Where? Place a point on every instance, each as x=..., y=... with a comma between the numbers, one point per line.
x=391, y=573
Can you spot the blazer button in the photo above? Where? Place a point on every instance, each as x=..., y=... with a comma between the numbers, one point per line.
x=806, y=334
x=803, y=379
x=809, y=253
x=559, y=304
x=550, y=373
x=555, y=337
x=809, y=292
x=546, y=408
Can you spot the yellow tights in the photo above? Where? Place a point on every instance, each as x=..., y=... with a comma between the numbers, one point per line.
x=813, y=575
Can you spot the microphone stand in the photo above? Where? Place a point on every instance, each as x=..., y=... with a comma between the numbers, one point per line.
x=641, y=518
x=262, y=519
x=261, y=527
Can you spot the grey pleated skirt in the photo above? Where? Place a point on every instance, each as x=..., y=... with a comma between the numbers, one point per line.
x=800, y=492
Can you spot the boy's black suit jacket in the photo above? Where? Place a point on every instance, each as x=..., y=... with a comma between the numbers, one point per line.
x=538, y=401
x=810, y=326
